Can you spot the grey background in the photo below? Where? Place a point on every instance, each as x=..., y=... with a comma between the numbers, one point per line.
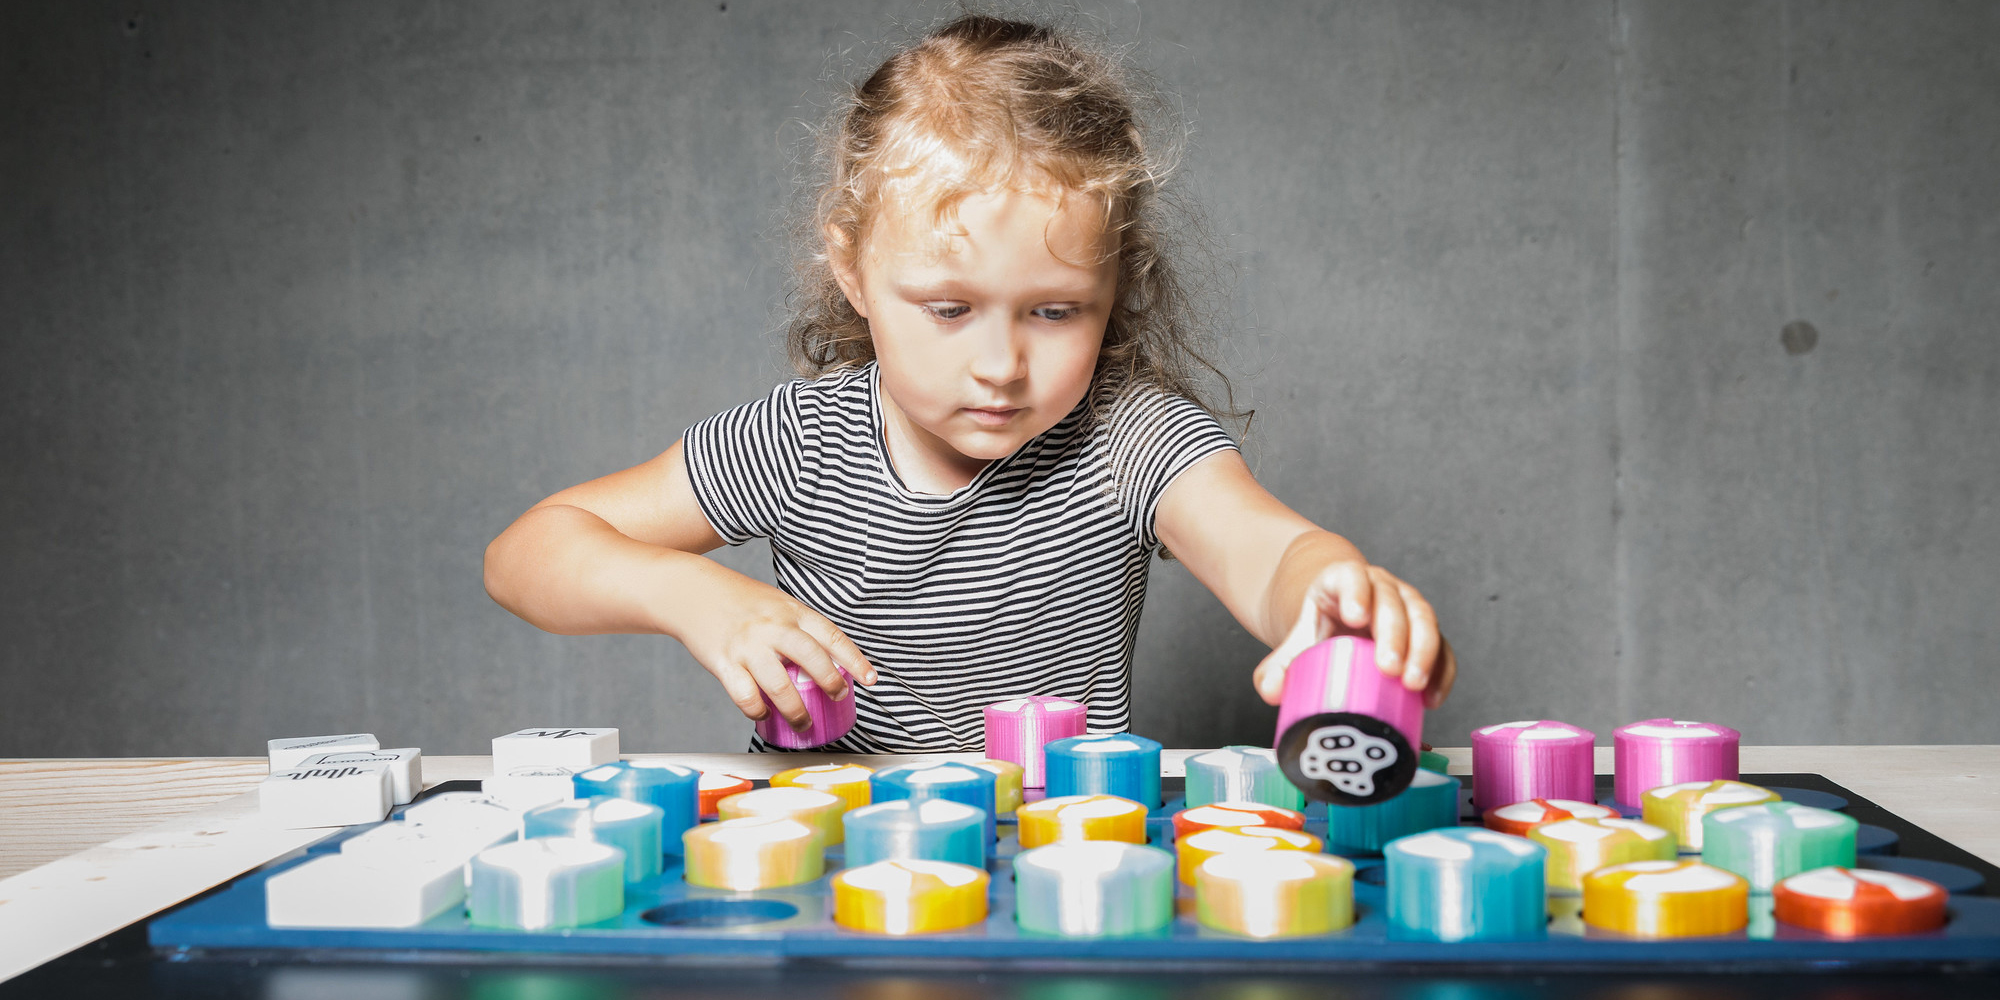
x=303, y=302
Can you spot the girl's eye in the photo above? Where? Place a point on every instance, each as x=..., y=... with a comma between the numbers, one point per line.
x=946, y=311
x=1056, y=314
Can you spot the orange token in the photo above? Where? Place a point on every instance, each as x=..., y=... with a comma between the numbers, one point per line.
x=1233, y=816
x=716, y=786
x=1520, y=817
x=1843, y=902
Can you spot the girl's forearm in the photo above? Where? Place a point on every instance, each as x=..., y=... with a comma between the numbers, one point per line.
x=1308, y=554
x=568, y=571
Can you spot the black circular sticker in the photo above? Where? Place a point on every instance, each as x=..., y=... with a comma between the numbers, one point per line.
x=1347, y=758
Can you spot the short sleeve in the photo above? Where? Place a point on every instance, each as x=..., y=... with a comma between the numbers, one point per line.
x=744, y=464
x=1153, y=436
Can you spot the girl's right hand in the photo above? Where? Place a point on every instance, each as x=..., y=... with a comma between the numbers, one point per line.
x=743, y=631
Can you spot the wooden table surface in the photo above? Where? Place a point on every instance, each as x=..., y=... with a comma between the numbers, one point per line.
x=90, y=845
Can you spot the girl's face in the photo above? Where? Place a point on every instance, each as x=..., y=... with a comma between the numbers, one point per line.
x=987, y=337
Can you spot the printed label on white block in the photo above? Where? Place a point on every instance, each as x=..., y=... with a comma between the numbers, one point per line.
x=335, y=795
x=575, y=749
x=343, y=890
x=406, y=768
x=291, y=753
x=524, y=788
x=463, y=812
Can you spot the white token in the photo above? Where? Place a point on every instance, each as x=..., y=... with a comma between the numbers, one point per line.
x=344, y=890
x=406, y=768
x=575, y=749
x=524, y=788
x=288, y=754
x=468, y=813
x=335, y=795
x=410, y=843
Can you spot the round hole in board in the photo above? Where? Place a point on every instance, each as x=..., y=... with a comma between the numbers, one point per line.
x=719, y=912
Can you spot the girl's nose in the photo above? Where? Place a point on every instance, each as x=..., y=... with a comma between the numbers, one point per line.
x=1001, y=357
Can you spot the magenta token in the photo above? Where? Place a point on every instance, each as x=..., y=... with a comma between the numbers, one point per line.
x=1347, y=733
x=1536, y=759
x=1657, y=752
x=830, y=719
x=1018, y=728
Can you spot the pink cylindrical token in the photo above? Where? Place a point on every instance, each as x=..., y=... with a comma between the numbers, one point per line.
x=830, y=719
x=1018, y=728
x=1658, y=752
x=1347, y=733
x=1537, y=759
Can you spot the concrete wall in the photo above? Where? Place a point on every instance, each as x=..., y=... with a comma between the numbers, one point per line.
x=304, y=302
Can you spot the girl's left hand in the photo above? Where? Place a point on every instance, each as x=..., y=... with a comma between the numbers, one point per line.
x=1354, y=598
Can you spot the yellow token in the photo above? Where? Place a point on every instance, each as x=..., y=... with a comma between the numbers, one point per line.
x=819, y=810
x=1666, y=899
x=1578, y=847
x=902, y=896
x=1006, y=785
x=1678, y=809
x=849, y=781
x=1081, y=817
x=1197, y=848
x=1266, y=894
x=755, y=853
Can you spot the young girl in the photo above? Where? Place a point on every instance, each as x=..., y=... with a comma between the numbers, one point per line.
x=999, y=433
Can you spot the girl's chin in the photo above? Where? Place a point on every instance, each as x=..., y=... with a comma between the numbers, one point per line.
x=987, y=445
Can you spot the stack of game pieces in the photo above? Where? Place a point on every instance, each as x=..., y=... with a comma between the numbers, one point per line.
x=909, y=897
x=1661, y=899
x=1657, y=752
x=1847, y=902
x=1093, y=889
x=548, y=883
x=1533, y=759
x=820, y=810
x=1679, y=809
x=1081, y=817
x=1118, y=764
x=1520, y=817
x=1430, y=802
x=849, y=781
x=1018, y=729
x=930, y=830
x=1240, y=774
x=1275, y=894
x=760, y=852
x=828, y=719
x=1199, y=847
x=1775, y=840
x=1466, y=884
x=632, y=827
x=1578, y=847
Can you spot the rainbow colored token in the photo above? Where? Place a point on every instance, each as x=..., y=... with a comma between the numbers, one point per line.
x=1678, y=809
x=1094, y=888
x=1663, y=899
x=820, y=810
x=1081, y=817
x=1240, y=774
x=1235, y=816
x=1270, y=894
x=1578, y=847
x=754, y=853
x=1199, y=847
x=1006, y=784
x=849, y=781
x=1464, y=883
x=1520, y=817
x=1844, y=902
x=909, y=897
x=716, y=786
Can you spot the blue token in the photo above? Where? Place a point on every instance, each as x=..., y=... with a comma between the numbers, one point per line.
x=1466, y=884
x=676, y=790
x=1118, y=764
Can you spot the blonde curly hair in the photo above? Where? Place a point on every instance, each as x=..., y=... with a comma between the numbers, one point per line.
x=983, y=103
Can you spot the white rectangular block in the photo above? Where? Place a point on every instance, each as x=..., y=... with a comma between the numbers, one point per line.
x=406, y=768
x=414, y=843
x=342, y=890
x=289, y=753
x=524, y=788
x=336, y=795
x=575, y=749
x=470, y=814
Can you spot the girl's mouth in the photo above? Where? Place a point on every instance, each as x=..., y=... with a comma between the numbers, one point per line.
x=992, y=416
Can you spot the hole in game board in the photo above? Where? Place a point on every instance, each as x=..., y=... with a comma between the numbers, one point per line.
x=719, y=912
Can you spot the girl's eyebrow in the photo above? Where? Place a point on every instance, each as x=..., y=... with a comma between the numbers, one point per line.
x=949, y=288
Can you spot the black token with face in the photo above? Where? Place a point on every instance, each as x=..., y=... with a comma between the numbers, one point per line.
x=1347, y=758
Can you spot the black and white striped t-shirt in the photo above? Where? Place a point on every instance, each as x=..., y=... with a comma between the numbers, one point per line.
x=1029, y=580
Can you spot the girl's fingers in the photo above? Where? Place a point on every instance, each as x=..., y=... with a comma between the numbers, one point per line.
x=1443, y=677
x=1347, y=594
x=808, y=655
x=743, y=690
x=1392, y=626
x=769, y=672
x=1424, y=639
x=844, y=651
x=1269, y=677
